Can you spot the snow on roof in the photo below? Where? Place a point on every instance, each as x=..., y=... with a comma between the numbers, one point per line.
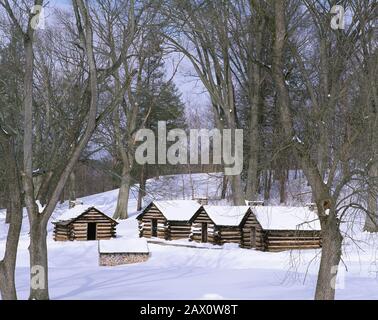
x=286, y=218
x=177, y=210
x=226, y=215
x=73, y=213
x=123, y=246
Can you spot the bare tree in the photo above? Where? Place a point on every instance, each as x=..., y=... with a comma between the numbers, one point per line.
x=209, y=53
x=329, y=195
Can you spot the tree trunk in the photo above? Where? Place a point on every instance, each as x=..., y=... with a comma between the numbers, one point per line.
x=142, y=187
x=38, y=259
x=14, y=215
x=267, y=184
x=121, y=211
x=224, y=187
x=44, y=189
x=282, y=186
x=330, y=259
x=371, y=222
x=237, y=190
x=254, y=91
x=72, y=189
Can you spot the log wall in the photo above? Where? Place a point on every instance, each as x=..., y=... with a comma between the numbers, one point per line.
x=61, y=233
x=251, y=225
x=229, y=235
x=280, y=240
x=145, y=223
x=177, y=230
x=196, y=229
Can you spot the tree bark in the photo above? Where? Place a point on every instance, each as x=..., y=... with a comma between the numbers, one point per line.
x=224, y=187
x=282, y=186
x=267, y=183
x=38, y=259
x=72, y=189
x=121, y=211
x=330, y=259
x=254, y=92
x=371, y=222
x=14, y=213
x=142, y=187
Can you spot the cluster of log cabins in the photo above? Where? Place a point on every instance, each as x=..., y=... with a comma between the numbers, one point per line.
x=261, y=227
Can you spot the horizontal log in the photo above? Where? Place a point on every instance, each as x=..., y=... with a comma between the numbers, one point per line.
x=292, y=233
x=61, y=238
x=269, y=238
x=172, y=227
x=270, y=247
x=228, y=233
x=293, y=243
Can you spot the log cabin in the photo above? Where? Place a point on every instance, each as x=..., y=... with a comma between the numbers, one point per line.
x=168, y=220
x=221, y=224
x=279, y=228
x=84, y=223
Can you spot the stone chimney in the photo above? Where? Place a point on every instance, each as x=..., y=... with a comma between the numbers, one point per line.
x=311, y=206
x=72, y=204
x=203, y=201
x=255, y=203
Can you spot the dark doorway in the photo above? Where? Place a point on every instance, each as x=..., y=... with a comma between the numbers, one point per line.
x=253, y=237
x=91, y=232
x=204, y=232
x=154, y=228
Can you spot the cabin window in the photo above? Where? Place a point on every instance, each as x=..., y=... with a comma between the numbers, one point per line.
x=204, y=232
x=253, y=237
x=154, y=227
x=91, y=231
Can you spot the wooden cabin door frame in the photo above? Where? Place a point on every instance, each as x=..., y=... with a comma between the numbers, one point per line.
x=253, y=237
x=204, y=235
x=154, y=228
x=92, y=231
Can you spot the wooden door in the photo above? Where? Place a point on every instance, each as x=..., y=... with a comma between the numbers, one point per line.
x=204, y=232
x=91, y=231
x=154, y=228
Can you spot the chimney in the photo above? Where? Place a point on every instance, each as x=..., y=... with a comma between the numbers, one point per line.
x=203, y=201
x=255, y=203
x=72, y=204
x=311, y=206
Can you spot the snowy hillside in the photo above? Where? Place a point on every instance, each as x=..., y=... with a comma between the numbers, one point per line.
x=207, y=272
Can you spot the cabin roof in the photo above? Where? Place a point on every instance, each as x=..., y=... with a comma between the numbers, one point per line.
x=227, y=215
x=175, y=210
x=72, y=214
x=123, y=246
x=286, y=218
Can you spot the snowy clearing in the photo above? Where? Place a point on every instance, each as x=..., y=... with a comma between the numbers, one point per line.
x=178, y=272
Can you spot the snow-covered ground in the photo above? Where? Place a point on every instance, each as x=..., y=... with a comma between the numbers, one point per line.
x=209, y=272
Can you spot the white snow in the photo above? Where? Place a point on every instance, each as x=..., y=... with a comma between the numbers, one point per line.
x=178, y=210
x=286, y=218
x=123, y=246
x=204, y=272
x=74, y=212
x=297, y=139
x=226, y=215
